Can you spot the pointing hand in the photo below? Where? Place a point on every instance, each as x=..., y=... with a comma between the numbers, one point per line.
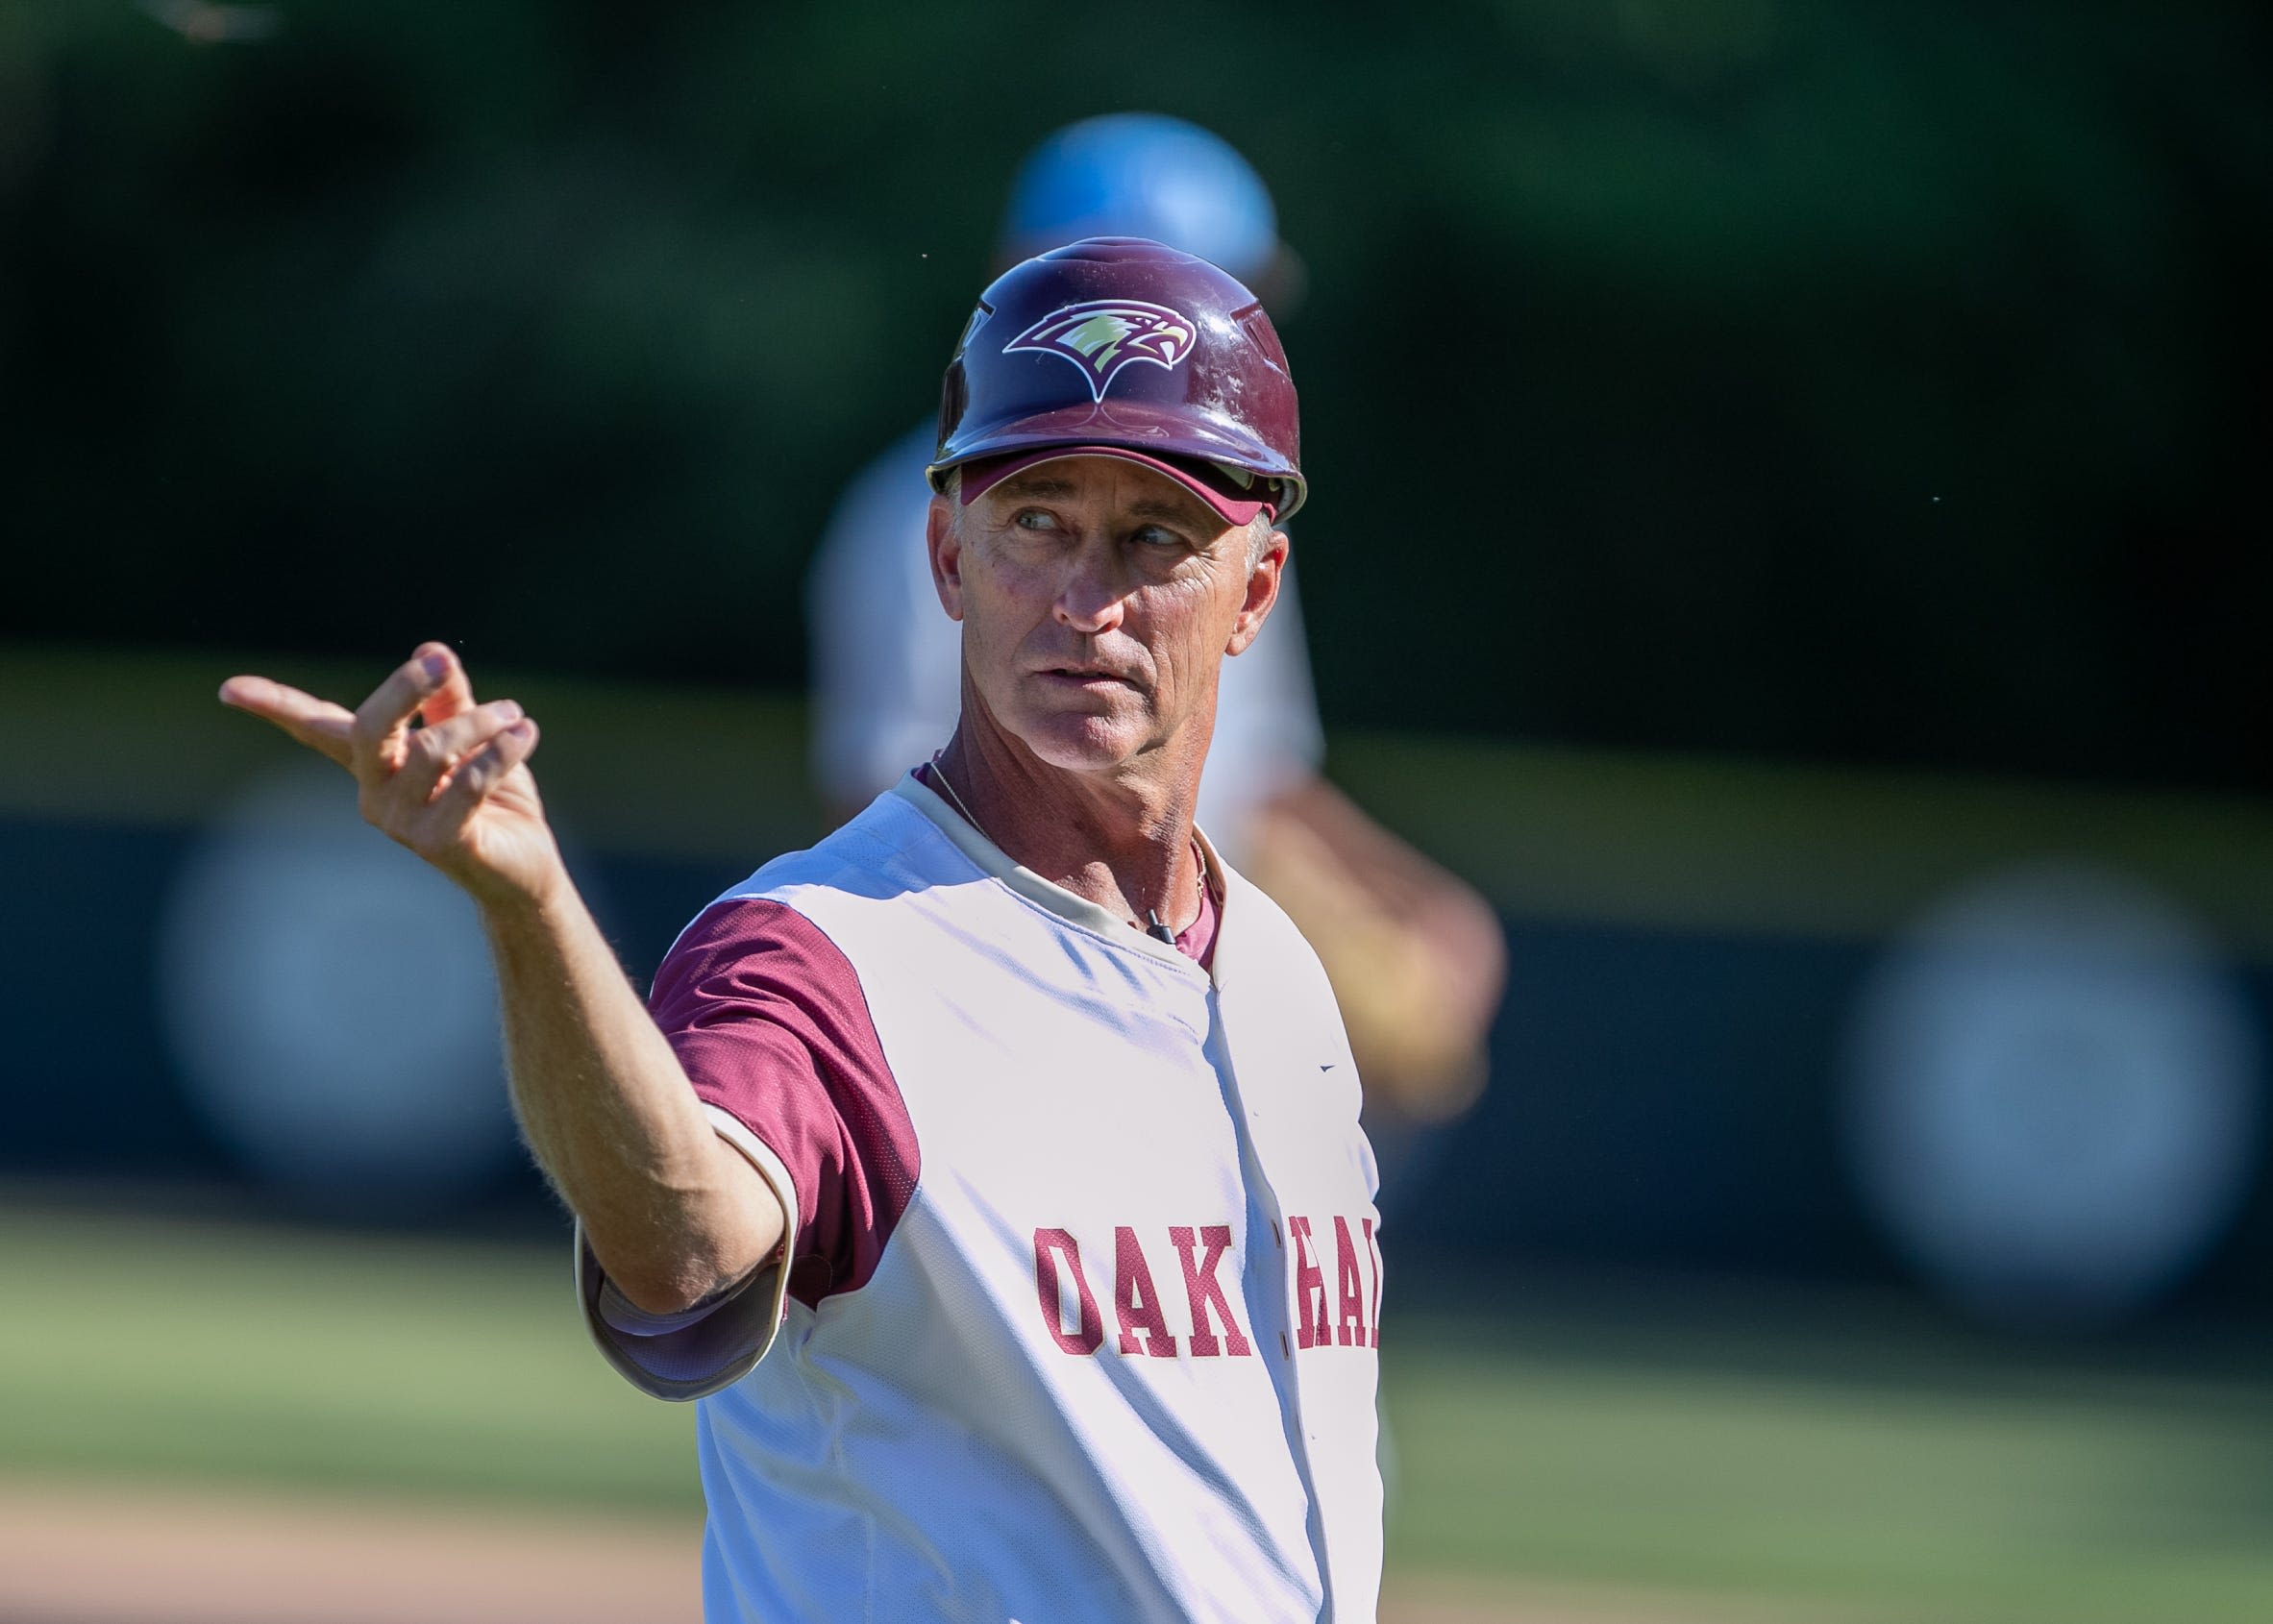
x=458, y=791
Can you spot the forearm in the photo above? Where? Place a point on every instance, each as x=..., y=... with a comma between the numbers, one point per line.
x=672, y=1211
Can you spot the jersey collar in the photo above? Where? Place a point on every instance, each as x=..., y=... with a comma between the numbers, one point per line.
x=992, y=861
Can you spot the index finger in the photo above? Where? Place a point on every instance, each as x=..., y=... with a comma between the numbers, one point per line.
x=317, y=723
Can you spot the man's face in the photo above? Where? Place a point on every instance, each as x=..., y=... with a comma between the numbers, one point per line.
x=1097, y=600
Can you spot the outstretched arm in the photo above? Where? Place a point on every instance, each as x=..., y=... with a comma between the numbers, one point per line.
x=673, y=1213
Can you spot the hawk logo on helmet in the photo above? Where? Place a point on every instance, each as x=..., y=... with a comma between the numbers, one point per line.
x=1103, y=335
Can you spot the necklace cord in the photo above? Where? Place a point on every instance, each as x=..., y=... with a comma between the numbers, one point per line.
x=1156, y=927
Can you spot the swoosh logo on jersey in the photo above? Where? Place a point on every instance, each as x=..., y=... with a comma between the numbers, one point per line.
x=1104, y=335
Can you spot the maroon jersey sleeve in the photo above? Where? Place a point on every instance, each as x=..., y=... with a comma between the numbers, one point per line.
x=769, y=1021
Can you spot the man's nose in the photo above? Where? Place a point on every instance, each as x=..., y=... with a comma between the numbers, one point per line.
x=1090, y=598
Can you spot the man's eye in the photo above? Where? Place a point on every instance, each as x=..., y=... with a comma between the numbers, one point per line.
x=1155, y=536
x=1034, y=520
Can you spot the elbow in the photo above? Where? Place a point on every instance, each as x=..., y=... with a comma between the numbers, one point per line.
x=677, y=1282
x=658, y=1295
x=651, y=1283
x=691, y=1256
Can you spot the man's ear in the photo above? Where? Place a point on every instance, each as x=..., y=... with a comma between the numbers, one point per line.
x=946, y=547
x=1262, y=592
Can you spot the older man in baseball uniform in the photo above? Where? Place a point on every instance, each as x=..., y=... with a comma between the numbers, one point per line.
x=1416, y=958
x=990, y=1172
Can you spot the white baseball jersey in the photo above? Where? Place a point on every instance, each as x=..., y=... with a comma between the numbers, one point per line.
x=1083, y=1285
x=887, y=662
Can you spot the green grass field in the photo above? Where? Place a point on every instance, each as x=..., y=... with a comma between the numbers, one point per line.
x=1852, y=1461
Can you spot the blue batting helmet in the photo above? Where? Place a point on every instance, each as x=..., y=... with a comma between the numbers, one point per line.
x=1143, y=175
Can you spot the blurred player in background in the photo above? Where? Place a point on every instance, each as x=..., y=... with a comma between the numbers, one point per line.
x=1416, y=958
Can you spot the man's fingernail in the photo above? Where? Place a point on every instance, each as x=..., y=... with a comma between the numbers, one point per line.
x=510, y=711
x=435, y=664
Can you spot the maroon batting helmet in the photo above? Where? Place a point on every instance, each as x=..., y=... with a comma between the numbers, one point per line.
x=1126, y=344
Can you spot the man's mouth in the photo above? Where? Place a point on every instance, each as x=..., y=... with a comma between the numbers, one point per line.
x=1087, y=676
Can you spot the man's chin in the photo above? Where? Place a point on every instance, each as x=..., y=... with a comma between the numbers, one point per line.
x=1078, y=743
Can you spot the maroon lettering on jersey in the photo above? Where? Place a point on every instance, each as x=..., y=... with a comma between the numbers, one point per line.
x=1310, y=1288
x=1050, y=1244
x=1206, y=1292
x=1373, y=1250
x=1349, y=1288
x=1136, y=1300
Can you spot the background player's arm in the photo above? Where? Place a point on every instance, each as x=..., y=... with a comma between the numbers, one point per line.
x=673, y=1213
x=1417, y=958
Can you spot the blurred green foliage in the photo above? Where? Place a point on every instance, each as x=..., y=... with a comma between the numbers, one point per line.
x=1834, y=378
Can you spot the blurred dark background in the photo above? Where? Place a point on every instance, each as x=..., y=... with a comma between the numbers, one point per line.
x=1817, y=442
x=1856, y=381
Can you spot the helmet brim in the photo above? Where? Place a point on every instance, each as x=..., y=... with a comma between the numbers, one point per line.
x=1137, y=426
